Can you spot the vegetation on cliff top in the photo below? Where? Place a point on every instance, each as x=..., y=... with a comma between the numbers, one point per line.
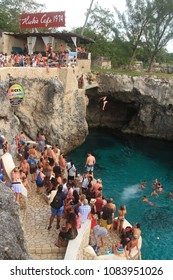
x=131, y=73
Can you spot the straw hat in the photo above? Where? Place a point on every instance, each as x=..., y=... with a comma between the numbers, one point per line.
x=93, y=200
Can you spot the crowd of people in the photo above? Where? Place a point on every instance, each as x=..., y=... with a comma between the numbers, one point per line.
x=73, y=198
x=57, y=60
x=46, y=58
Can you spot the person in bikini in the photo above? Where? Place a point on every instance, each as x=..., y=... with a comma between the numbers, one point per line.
x=136, y=231
x=121, y=217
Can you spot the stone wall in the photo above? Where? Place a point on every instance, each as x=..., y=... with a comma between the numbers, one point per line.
x=79, y=248
x=75, y=248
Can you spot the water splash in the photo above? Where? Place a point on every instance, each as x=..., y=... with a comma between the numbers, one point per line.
x=131, y=192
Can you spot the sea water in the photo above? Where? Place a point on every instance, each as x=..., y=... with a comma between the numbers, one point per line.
x=123, y=163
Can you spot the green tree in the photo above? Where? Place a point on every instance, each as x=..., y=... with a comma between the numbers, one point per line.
x=159, y=30
x=133, y=22
x=102, y=22
x=11, y=9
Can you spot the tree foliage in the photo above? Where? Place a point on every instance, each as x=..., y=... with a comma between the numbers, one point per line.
x=102, y=22
x=141, y=32
x=147, y=24
x=11, y=9
x=159, y=30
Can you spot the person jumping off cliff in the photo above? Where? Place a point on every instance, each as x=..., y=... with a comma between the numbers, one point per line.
x=104, y=102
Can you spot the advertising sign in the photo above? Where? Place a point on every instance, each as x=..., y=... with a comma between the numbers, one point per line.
x=42, y=20
x=15, y=94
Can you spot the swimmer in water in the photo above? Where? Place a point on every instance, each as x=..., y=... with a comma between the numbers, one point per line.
x=145, y=199
x=170, y=194
x=142, y=185
x=154, y=193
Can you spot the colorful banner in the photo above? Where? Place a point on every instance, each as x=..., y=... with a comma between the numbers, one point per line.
x=15, y=94
x=45, y=20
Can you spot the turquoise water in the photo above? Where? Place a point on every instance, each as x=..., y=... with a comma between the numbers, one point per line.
x=123, y=163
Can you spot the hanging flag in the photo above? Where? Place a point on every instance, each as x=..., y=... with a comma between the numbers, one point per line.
x=15, y=94
x=74, y=39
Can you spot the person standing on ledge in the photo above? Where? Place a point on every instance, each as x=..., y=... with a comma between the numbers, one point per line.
x=90, y=162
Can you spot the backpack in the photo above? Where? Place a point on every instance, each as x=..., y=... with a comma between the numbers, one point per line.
x=32, y=164
x=57, y=202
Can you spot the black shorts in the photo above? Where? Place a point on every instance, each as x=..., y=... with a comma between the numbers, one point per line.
x=51, y=160
x=39, y=184
x=33, y=170
x=70, y=177
x=99, y=214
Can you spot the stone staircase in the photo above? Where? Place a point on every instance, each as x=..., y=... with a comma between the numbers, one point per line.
x=52, y=253
x=35, y=213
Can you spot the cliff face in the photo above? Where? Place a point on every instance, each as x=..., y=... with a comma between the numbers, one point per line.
x=138, y=105
x=9, y=124
x=62, y=115
x=12, y=243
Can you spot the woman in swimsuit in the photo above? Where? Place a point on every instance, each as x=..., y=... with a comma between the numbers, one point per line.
x=121, y=218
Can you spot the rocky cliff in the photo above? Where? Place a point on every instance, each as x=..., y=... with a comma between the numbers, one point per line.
x=12, y=243
x=46, y=105
x=138, y=105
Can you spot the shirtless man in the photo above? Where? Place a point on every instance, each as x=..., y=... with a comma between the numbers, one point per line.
x=62, y=164
x=145, y=199
x=22, y=138
x=90, y=162
x=104, y=102
x=25, y=166
x=33, y=152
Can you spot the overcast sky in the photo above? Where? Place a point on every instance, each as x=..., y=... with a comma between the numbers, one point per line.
x=75, y=11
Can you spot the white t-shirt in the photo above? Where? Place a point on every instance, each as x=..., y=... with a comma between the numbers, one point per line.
x=85, y=183
x=71, y=169
x=65, y=189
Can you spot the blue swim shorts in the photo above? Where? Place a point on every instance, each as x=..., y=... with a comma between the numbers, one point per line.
x=90, y=168
x=57, y=212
